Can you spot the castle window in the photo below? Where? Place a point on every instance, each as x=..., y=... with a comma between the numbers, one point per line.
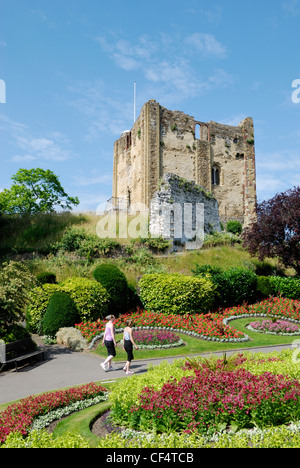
x=215, y=175
x=198, y=131
x=128, y=140
x=128, y=199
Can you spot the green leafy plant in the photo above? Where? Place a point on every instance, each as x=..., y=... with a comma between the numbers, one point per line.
x=15, y=284
x=176, y=294
x=46, y=277
x=115, y=283
x=90, y=297
x=235, y=227
x=61, y=312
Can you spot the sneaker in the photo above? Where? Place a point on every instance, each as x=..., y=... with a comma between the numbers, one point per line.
x=110, y=369
x=124, y=369
x=104, y=366
x=129, y=372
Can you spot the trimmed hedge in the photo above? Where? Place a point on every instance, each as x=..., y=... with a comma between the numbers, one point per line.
x=61, y=312
x=115, y=283
x=286, y=287
x=176, y=294
x=90, y=297
x=232, y=287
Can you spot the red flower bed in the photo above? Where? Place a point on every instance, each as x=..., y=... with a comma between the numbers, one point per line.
x=274, y=306
x=210, y=326
x=214, y=400
x=20, y=416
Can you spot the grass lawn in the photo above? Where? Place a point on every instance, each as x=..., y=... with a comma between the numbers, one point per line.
x=80, y=423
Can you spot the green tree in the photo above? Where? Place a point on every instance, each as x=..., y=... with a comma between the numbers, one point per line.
x=35, y=191
x=15, y=284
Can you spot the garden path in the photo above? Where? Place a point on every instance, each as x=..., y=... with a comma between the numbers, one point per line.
x=64, y=368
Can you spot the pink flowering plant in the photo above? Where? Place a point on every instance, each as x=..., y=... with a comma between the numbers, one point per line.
x=20, y=416
x=277, y=327
x=211, y=401
x=155, y=338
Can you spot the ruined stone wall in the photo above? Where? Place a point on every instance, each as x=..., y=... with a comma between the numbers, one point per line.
x=181, y=210
x=163, y=141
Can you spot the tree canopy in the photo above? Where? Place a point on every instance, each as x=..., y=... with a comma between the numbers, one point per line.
x=35, y=191
x=276, y=233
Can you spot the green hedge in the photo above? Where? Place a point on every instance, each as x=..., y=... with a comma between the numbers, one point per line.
x=115, y=283
x=90, y=297
x=232, y=287
x=286, y=287
x=176, y=294
x=61, y=312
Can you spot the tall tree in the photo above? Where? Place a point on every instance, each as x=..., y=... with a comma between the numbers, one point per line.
x=276, y=233
x=35, y=191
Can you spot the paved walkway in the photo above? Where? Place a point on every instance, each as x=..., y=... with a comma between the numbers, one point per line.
x=64, y=368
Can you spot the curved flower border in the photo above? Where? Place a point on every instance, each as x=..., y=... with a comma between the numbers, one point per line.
x=235, y=317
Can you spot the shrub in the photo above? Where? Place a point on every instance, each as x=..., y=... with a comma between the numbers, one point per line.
x=15, y=283
x=61, y=312
x=90, y=297
x=46, y=277
x=13, y=333
x=233, y=286
x=176, y=294
x=264, y=287
x=36, y=309
x=234, y=227
x=72, y=239
x=286, y=287
x=90, y=246
x=206, y=269
x=115, y=283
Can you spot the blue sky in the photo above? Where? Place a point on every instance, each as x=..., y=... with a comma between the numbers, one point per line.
x=69, y=67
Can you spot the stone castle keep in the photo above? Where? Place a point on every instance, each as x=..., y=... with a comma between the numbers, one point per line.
x=218, y=159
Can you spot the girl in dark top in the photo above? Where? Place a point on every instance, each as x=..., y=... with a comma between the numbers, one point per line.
x=128, y=345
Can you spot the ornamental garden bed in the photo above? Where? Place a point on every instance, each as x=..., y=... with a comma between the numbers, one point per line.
x=201, y=333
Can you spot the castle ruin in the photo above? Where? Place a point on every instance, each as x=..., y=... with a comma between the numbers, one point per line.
x=218, y=158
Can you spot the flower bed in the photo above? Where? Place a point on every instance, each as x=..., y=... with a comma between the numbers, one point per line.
x=279, y=327
x=153, y=339
x=20, y=416
x=212, y=401
x=212, y=326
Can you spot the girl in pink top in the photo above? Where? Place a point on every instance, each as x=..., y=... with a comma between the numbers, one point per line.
x=109, y=341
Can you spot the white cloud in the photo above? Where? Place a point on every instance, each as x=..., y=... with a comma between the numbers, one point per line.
x=291, y=8
x=276, y=172
x=52, y=147
x=94, y=179
x=206, y=44
x=168, y=61
x=104, y=110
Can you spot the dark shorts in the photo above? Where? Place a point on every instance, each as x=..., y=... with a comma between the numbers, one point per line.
x=111, y=351
x=128, y=348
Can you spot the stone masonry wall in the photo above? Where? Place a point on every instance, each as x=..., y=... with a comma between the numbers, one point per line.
x=181, y=210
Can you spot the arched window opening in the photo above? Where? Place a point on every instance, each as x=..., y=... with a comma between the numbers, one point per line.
x=198, y=132
x=215, y=175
